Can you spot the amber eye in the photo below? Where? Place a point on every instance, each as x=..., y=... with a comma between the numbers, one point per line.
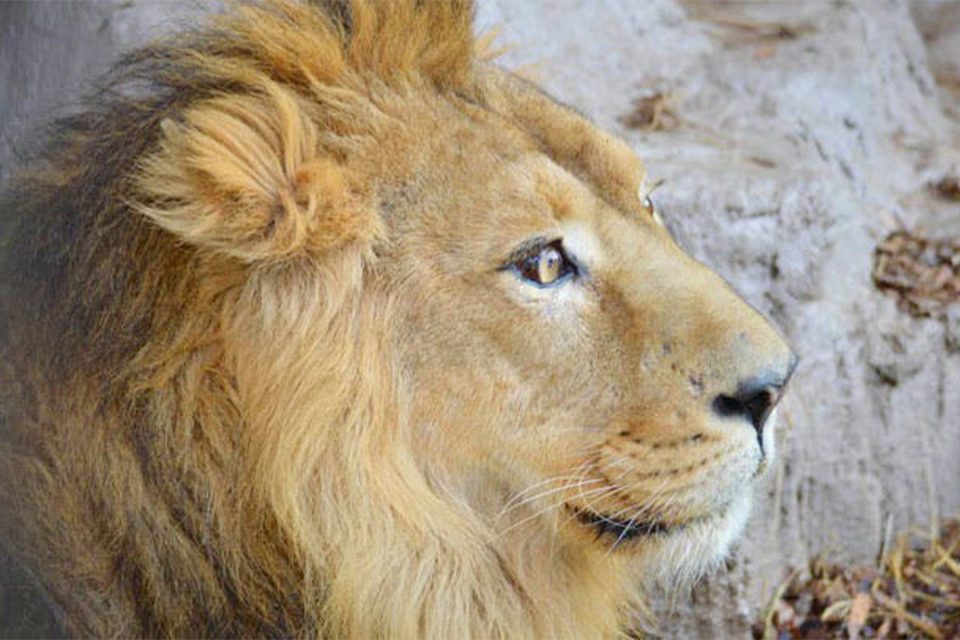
x=646, y=202
x=544, y=265
x=648, y=207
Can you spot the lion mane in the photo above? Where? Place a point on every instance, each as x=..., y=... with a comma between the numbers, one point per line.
x=206, y=424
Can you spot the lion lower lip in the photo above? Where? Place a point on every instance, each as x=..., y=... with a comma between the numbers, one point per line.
x=622, y=530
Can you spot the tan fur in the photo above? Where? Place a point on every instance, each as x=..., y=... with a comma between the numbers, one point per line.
x=265, y=372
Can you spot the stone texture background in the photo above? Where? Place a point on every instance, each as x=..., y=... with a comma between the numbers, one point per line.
x=803, y=133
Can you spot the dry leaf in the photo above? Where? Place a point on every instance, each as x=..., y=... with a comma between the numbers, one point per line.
x=914, y=593
x=924, y=275
x=652, y=113
x=859, y=610
x=948, y=187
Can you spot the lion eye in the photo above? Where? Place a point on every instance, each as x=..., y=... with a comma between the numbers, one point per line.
x=648, y=207
x=651, y=210
x=545, y=267
x=646, y=202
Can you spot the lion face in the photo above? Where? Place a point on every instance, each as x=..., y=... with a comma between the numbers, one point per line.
x=565, y=352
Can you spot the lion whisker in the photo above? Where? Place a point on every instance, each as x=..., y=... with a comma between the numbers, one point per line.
x=537, y=496
x=545, y=510
x=519, y=496
x=639, y=513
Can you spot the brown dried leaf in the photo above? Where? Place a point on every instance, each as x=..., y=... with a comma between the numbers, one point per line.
x=924, y=275
x=914, y=593
x=948, y=187
x=652, y=113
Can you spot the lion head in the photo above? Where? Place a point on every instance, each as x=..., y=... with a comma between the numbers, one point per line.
x=321, y=323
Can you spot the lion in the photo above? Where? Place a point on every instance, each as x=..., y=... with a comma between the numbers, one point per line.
x=317, y=322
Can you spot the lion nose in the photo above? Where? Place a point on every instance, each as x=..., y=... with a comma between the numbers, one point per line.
x=756, y=398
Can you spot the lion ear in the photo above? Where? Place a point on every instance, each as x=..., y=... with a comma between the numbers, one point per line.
x=245, y=175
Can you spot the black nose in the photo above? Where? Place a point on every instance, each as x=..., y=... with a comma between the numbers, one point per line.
x=755, y=399
x=753, y=402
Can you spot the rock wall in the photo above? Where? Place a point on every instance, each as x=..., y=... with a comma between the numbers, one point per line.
x=792, y=137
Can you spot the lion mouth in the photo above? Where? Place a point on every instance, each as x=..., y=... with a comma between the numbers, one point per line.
x=623, y=530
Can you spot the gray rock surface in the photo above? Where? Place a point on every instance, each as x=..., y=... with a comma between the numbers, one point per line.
x=802, y=134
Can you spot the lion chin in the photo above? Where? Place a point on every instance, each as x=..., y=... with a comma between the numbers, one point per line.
x=680, y=553
x=319, y=323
